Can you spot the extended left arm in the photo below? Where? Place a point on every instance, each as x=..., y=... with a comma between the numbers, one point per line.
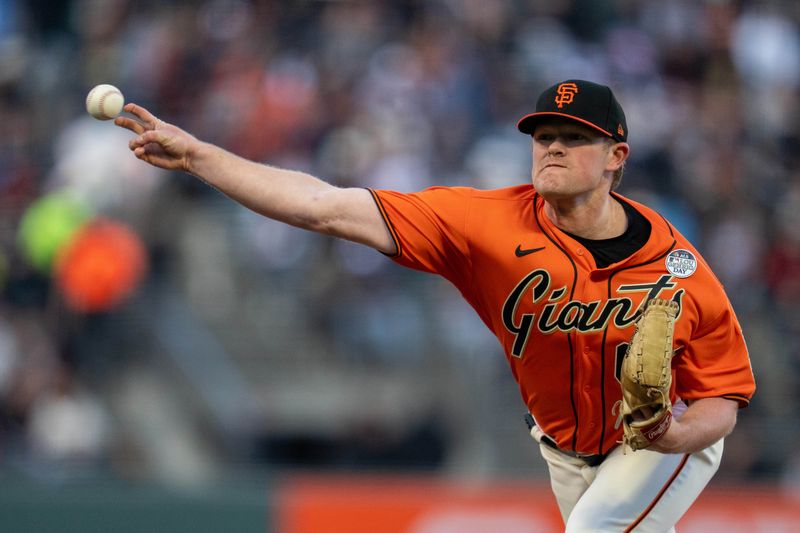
x=705, y=422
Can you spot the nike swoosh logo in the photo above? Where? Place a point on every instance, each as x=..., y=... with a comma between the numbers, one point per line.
x=519, y=252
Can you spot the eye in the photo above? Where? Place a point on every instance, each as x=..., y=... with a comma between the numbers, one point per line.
x=576, y=137
x=544, y=137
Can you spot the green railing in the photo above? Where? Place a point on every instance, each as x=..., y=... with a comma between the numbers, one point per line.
x=111, y=506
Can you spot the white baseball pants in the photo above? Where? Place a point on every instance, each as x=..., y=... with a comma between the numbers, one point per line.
x=642, y=491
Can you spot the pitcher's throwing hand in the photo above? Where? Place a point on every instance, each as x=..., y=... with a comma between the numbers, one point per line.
x=157, y=142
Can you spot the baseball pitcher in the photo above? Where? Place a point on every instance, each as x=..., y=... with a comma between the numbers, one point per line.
x=627, y=352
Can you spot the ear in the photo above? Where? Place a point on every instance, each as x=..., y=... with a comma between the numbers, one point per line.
x=617, y=155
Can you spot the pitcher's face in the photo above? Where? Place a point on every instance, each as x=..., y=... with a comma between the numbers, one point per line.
x=570, y=159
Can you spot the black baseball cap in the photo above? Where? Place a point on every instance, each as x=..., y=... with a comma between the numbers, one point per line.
x=589, y=103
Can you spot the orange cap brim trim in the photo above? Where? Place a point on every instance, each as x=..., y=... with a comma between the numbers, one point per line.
x=564, y=115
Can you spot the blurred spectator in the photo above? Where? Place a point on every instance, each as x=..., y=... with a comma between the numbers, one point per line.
x=68, y=424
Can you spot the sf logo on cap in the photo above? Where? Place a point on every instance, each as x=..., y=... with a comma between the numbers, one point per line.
x=565, y=93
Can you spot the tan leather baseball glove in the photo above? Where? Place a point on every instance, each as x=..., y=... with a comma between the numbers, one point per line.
x=646, y=376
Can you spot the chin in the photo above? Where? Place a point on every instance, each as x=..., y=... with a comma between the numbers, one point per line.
x=554, y=195
x=550, y=188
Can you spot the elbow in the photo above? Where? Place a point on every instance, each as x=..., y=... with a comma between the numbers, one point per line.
x=318, y=221
x=330, y=211
x=727, y=417
x=727, y=412
x=315, y=214
x=733, y=417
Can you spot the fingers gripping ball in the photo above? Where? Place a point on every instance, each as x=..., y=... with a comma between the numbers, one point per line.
x=646, y=376
x=104, y=102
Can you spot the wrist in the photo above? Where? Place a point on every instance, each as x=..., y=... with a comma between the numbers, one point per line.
x=671, y=440
x=197, y=153
x=656, y=431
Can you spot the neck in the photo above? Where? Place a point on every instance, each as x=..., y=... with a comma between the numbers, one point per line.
x=598, y=217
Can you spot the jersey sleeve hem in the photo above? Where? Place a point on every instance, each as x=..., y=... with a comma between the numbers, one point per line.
x=743, y=401
x=398, y=249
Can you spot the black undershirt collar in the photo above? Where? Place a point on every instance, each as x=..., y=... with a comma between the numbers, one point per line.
x=609, y=251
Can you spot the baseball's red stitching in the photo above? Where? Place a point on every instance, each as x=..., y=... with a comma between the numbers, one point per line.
x=101, y=102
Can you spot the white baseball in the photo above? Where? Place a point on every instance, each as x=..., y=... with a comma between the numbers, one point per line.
x=104, y=102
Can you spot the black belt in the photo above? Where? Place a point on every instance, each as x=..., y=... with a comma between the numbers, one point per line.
x=590, y=460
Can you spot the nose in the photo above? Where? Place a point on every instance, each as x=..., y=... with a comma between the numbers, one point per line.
x=556, y=147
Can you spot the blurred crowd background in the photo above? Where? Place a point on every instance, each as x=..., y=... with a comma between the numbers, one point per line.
x=186, y=338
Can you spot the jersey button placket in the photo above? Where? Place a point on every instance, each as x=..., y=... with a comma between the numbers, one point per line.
x=587, y=387
x=585, y=381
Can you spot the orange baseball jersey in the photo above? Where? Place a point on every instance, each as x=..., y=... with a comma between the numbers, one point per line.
x=563, y=323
